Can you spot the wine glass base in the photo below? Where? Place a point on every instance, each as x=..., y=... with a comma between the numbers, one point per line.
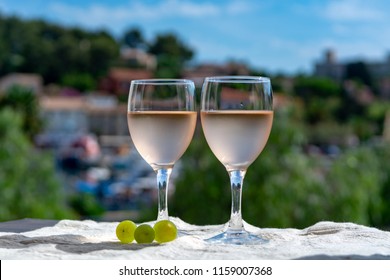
x=237, y=238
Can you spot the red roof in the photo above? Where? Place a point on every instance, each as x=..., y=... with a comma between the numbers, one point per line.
x=127, y=74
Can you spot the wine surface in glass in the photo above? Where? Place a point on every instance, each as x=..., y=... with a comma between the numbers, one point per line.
x=237, y=137
x=161, y=137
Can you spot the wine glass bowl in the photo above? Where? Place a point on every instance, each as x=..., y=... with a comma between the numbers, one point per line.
x=161, y=119
x=236, y=115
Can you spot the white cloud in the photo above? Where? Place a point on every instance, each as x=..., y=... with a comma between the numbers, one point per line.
x=188, y=8
x=135, y=10
x=116, y=16
x=238, y=7
x=352, y=10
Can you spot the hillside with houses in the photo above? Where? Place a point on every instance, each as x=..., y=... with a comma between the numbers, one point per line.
x=64, y=92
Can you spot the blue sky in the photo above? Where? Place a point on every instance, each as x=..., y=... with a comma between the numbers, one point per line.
x=273, y=35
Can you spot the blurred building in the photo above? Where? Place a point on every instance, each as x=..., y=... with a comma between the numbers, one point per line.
x=199, y=72
x=67, y=116
x=330, y=67
x=118, y=79
x=138, y=58
x=380, y=69
x=33, y=82
x=107, y=120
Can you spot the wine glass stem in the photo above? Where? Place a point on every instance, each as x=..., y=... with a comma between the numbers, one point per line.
x=162, y=184
x=236, y=180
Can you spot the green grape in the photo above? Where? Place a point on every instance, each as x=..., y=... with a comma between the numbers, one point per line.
x=125, y=231
x=165, y=230
x=144, y=234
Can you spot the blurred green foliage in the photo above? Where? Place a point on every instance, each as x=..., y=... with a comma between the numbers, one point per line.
x=29, y=182
x=80, y=81
x=26, y=104
x=53, y=51
x=86, y=205
x=59, y=53
x=171, y=53
x=29, y=185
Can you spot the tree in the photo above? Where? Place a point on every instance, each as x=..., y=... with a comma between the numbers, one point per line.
x=321, y=98
x=308, y=87
x=358, y=71
x=102, y=50
x=172, y=54
x=25, y=102
x=80, y=81
x=28, y=183
x=133, y=38
x=53, y=51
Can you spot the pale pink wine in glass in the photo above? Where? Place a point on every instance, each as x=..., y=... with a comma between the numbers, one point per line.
x=237, y=137
x=161, y=137
x=236, y=115
x=161, y=117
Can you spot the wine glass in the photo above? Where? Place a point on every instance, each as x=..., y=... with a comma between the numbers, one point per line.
x=236, y=115
x=161, y=119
